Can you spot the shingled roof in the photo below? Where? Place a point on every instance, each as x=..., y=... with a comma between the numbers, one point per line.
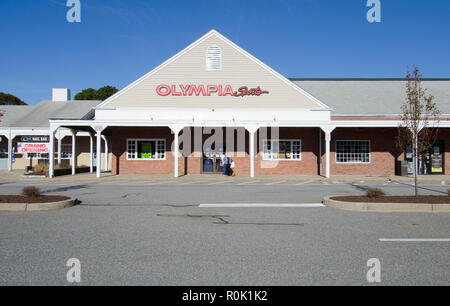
x=38, y=116
x=371, y=96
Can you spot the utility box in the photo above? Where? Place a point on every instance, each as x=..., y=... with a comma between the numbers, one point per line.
x=401, y=168
x=404, y=168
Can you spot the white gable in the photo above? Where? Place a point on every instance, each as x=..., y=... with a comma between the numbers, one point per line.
x=187, y=80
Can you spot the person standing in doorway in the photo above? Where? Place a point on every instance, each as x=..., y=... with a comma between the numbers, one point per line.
x=224, y=160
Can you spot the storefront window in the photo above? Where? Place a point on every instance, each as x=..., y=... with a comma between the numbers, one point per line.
x=66, y=151
x=353, y=151
x=282, y=150
x=147, y=149
x=3, y=153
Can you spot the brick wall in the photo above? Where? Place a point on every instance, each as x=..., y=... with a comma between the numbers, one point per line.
x=384, y=153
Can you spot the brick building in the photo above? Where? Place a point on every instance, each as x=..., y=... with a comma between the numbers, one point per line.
x=214, y=98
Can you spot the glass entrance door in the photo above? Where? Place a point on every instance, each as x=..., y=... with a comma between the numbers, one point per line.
x=212, y=161
x=432, y=160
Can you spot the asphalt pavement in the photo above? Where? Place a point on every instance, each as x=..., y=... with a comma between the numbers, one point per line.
x=161, y=233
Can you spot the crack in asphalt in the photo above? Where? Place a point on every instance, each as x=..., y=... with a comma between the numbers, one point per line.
x=220, y=219
x=130, y=194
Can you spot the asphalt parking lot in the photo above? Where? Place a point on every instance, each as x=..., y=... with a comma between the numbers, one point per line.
x=161, y=233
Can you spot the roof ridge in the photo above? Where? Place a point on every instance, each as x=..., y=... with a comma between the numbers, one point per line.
x=364, y=79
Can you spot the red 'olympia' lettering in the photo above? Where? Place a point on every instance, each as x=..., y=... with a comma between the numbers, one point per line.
x=208, y=90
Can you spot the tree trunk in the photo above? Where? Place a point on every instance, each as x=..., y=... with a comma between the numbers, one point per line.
x=416, y=167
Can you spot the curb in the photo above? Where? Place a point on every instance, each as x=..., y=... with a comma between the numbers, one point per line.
x=38, y=206
x=386, y=207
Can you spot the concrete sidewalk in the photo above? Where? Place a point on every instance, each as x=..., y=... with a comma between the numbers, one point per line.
x=17, y=176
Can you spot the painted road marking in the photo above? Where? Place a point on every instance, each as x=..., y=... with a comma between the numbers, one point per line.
x=217, y=183
x=248, y=183
x=414, y=240
x=304, y=183
x=275, y=183
x=191, y=183
x=260, y=205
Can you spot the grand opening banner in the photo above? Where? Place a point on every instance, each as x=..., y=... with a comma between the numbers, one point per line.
x=30, y=147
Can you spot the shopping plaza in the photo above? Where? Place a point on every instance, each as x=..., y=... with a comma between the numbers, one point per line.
x=214, y=98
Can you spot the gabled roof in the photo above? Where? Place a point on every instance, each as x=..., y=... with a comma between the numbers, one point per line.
x=39, y=115
x=188, y=67
x=12, y=113
x=371, y=96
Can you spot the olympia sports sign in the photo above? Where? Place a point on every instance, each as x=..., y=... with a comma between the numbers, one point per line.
x=28, y=147
x=207, y=90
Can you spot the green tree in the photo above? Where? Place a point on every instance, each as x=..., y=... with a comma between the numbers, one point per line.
x=93, y=94
x=8, y=99
x=86, y=94
x=105, y=92
x=420, y=120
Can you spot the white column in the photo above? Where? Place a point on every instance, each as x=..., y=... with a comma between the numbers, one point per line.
x=327, y=152
x=252, y=133
x=59, y=146
x=99, y=154
x=252, y=154
x=327, y=129
x=176, y=152
x=10, y=148
x=106, y=153
x=176, y=147
x=51, y=155
x=91, y=156
x=320, y=152
x=74, y=155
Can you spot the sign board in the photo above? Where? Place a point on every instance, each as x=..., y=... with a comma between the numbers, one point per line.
x=208, y=90
x=29, y=147
x=39, y=139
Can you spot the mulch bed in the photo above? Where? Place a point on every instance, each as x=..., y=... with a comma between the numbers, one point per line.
x=426, y=199
x=31, y=200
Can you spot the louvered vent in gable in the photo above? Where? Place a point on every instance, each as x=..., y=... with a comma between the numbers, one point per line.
x=213, y=58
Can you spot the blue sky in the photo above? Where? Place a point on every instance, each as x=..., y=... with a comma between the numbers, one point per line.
x=120, y=40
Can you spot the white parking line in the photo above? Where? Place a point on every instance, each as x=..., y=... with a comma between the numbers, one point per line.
x=156, y=183
x=414, y=240
x=261, y=205
x=217, y=183
x=275, y=183
x=247, y=183
x=303, y=183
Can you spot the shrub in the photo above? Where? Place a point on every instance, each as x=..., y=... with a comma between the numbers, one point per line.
x=375, y=193
x=31, y=192
x=63, y=166
x=40, y=168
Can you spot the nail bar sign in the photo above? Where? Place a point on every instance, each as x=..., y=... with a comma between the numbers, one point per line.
x=208, y=90
x=35, y=139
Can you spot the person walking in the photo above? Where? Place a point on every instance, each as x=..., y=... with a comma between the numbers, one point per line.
x=231, y=166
